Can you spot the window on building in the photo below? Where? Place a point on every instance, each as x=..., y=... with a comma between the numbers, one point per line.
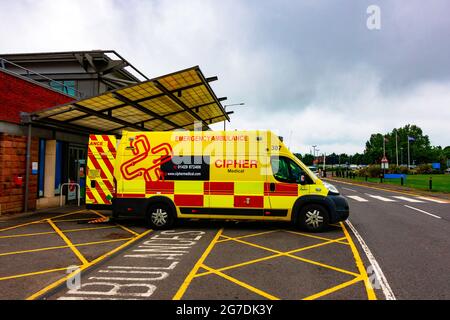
x=66, y=86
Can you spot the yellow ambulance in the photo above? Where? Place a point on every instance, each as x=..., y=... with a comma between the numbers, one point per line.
x=164, y=176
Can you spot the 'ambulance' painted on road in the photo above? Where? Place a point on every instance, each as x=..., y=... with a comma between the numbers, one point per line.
x=164, y=176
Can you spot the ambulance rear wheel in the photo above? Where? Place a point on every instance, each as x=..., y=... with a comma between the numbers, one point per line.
x=313, y=218
x=160, y=216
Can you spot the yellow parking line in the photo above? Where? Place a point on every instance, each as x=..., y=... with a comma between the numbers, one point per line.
x=31, y=274
x=127, y=229
x=370, y=292
x=313, y=236
x=68, y=242
x=333, y=289
x=83, y=267
x=62, y=247
x=102, y=241
x=88, y=229
x=249, y=235
x=98, y=213
x=241, y=283
x=70, y=220
x=52, y=232
x=38, y=221
x=27, y=235
x=118, y=225
x=32, y=250
x=197, y=265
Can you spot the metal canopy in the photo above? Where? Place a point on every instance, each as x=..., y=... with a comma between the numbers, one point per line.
x=173, y=101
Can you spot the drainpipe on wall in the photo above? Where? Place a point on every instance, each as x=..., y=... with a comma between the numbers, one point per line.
x=27, y=119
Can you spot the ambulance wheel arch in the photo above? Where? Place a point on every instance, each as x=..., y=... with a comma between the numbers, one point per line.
x=160, y=212
x=313, y=212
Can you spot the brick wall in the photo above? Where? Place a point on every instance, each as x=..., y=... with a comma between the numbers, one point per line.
x=18, y=95
x=13, y=163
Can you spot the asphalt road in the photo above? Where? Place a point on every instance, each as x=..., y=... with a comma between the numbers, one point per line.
x=408, y=237
x=410, y=240
x=218, y=260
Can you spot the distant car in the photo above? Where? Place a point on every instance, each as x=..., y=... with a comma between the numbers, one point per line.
x=447, y=170
x=314, y=170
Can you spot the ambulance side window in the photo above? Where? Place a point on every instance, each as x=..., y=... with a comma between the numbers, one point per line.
x=280, y=169
x=286, y=170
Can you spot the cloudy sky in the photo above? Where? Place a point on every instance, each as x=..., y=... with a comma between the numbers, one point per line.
x=310, y=70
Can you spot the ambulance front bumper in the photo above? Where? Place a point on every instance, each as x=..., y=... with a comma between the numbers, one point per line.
x=339, y=208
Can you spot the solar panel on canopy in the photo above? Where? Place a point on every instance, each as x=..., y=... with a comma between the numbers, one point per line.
x=168, y=102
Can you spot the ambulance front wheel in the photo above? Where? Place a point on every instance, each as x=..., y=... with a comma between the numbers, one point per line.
x=160, y=216
x=313, y=218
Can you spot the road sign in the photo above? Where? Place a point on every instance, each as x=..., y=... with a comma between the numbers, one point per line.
x=384, y=163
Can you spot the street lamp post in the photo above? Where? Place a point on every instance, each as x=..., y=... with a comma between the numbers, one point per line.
x=225, y=109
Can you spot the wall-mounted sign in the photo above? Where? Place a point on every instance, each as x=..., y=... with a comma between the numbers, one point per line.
x=34, y=167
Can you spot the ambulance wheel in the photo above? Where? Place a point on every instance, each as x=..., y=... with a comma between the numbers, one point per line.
x=313, y=218
x=160, y=216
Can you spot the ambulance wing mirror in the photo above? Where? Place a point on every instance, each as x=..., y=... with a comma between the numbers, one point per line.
x=302, y=180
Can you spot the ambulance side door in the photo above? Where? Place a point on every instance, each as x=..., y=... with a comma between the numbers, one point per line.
x=282, y=186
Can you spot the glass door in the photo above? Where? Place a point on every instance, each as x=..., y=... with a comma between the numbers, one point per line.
x=76, y=171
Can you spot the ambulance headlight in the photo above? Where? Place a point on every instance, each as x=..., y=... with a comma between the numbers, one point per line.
x=331, y=188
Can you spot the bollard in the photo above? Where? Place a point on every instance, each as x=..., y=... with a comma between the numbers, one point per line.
x=401, y=181
x=381, y=178
x=366, y=177
x=431, y=183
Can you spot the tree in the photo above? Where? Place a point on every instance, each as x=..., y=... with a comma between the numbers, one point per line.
x=420, y=149
x=308, y=159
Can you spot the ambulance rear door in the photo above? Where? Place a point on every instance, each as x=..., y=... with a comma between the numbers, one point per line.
x=100, y=169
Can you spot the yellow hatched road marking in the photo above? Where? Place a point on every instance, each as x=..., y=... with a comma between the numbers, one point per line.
x=68, y=242
x=197, y=265
x=248, y=235
x=370, y=292
x=334, y=289
x=299, y=258
x=313, y=236
x=83, y=267
x=62, y=247
x=270, y=257
x=39, y=221
x=241, y=283
x=31, y=274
